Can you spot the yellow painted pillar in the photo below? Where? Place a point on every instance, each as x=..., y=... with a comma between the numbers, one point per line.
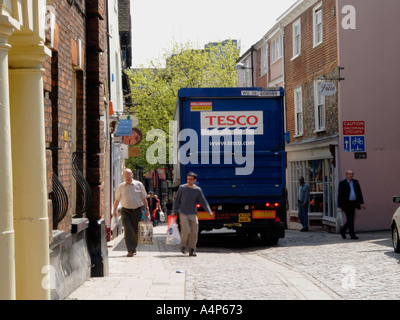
x=7, y=261
x=29, y=173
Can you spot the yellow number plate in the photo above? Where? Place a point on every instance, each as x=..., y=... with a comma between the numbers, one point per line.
x=244, y=217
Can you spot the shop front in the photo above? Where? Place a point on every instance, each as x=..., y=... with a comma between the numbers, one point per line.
x=316, y=163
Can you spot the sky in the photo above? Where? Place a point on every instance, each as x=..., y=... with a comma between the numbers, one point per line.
x=157, y=24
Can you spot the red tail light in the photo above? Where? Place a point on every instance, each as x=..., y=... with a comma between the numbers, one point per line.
x=272, y=205
x=198, y=205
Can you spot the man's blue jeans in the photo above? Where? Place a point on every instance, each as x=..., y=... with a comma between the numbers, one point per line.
x=303, y=215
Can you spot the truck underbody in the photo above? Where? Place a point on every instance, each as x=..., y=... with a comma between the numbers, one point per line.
x=247, y=219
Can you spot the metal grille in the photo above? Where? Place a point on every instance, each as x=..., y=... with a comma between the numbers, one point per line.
x=58, y=196
x=83, y=192
x=59, y=199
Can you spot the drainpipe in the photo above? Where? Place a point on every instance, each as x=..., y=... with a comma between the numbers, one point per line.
x=7, y=261
x=29, y=175
x=109, y=143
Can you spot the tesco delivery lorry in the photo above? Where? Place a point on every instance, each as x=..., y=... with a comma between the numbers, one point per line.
x=233, y=139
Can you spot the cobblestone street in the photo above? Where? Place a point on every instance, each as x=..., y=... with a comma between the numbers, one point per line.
x=303, y=266
x=367, y=268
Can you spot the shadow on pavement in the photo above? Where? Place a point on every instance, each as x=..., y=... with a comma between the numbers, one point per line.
x=219, y=240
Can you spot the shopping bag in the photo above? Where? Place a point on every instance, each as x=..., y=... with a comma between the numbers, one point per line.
x=145, y=232
x=173, y=236
x=162, y=216
x=340, y=218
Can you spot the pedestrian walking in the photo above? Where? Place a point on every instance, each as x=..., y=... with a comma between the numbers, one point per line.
x=157, y=211
x=132, y=195
x=304, y=200
x=152, y=200
x=350, y=198
x=185, y=204
x=169, y=206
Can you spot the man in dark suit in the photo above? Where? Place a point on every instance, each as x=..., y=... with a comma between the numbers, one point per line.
x=350, y=198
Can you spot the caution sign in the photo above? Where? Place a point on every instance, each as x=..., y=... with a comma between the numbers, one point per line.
x=353, y=128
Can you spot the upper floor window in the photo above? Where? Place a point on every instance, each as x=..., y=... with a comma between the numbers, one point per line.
x=298, y=109
x=247, y=74
x=318, y=25
x=277, y=49
x=319, y=103
x=296, y=38
x=263, y=61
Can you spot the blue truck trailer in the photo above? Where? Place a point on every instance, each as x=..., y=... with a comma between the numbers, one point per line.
x=233, y=139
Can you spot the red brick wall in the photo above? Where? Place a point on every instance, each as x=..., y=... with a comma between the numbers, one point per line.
x=96, y=73
x=262, y=81
x=311, y=64
x=70, y=26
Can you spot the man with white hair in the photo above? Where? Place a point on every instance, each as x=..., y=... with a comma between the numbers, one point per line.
x=350, y=198
x=133, y=196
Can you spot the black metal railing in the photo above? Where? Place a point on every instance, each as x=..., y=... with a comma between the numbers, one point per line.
x=58, y=196
x=59, y=199
x=83, y=190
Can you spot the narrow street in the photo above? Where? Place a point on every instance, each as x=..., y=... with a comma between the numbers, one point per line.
x=303, y=266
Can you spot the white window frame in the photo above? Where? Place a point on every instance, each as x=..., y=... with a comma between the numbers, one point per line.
x=298, y=111
x=277, y=49
x=318, y=25
x=264, y=61
x=246, y=73
x=296, y=39
x=319, y=108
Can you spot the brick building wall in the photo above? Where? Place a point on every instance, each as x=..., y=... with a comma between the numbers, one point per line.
x=262, y=80
x=124, y=22
x=96, y=92
x=78, y=61
x=311, y=64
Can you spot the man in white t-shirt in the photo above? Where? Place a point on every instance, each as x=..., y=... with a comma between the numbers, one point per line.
x=133, y=196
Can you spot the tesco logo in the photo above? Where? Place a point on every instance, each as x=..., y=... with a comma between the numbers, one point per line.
x=214, y=122
x=232, y=120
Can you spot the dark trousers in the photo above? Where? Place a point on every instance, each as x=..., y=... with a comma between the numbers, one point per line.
x=303, y=215
x=350, y=211
x=130, y=220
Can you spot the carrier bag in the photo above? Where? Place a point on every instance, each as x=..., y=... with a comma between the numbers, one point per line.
x=145, y=232
x=340, y=218
x=173, y=236
x=162, y=216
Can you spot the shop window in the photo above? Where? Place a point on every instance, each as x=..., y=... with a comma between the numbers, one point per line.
x=319, y=175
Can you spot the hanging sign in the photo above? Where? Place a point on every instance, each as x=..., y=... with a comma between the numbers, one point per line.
x=327, y=89
x=124, y=127
x=133, y=139
x=134, y=151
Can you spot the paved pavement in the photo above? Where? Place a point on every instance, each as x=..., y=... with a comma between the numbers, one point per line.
x=146, y=276
x=303, y=266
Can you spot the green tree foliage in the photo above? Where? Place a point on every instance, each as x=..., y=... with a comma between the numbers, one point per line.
x=155, y=89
